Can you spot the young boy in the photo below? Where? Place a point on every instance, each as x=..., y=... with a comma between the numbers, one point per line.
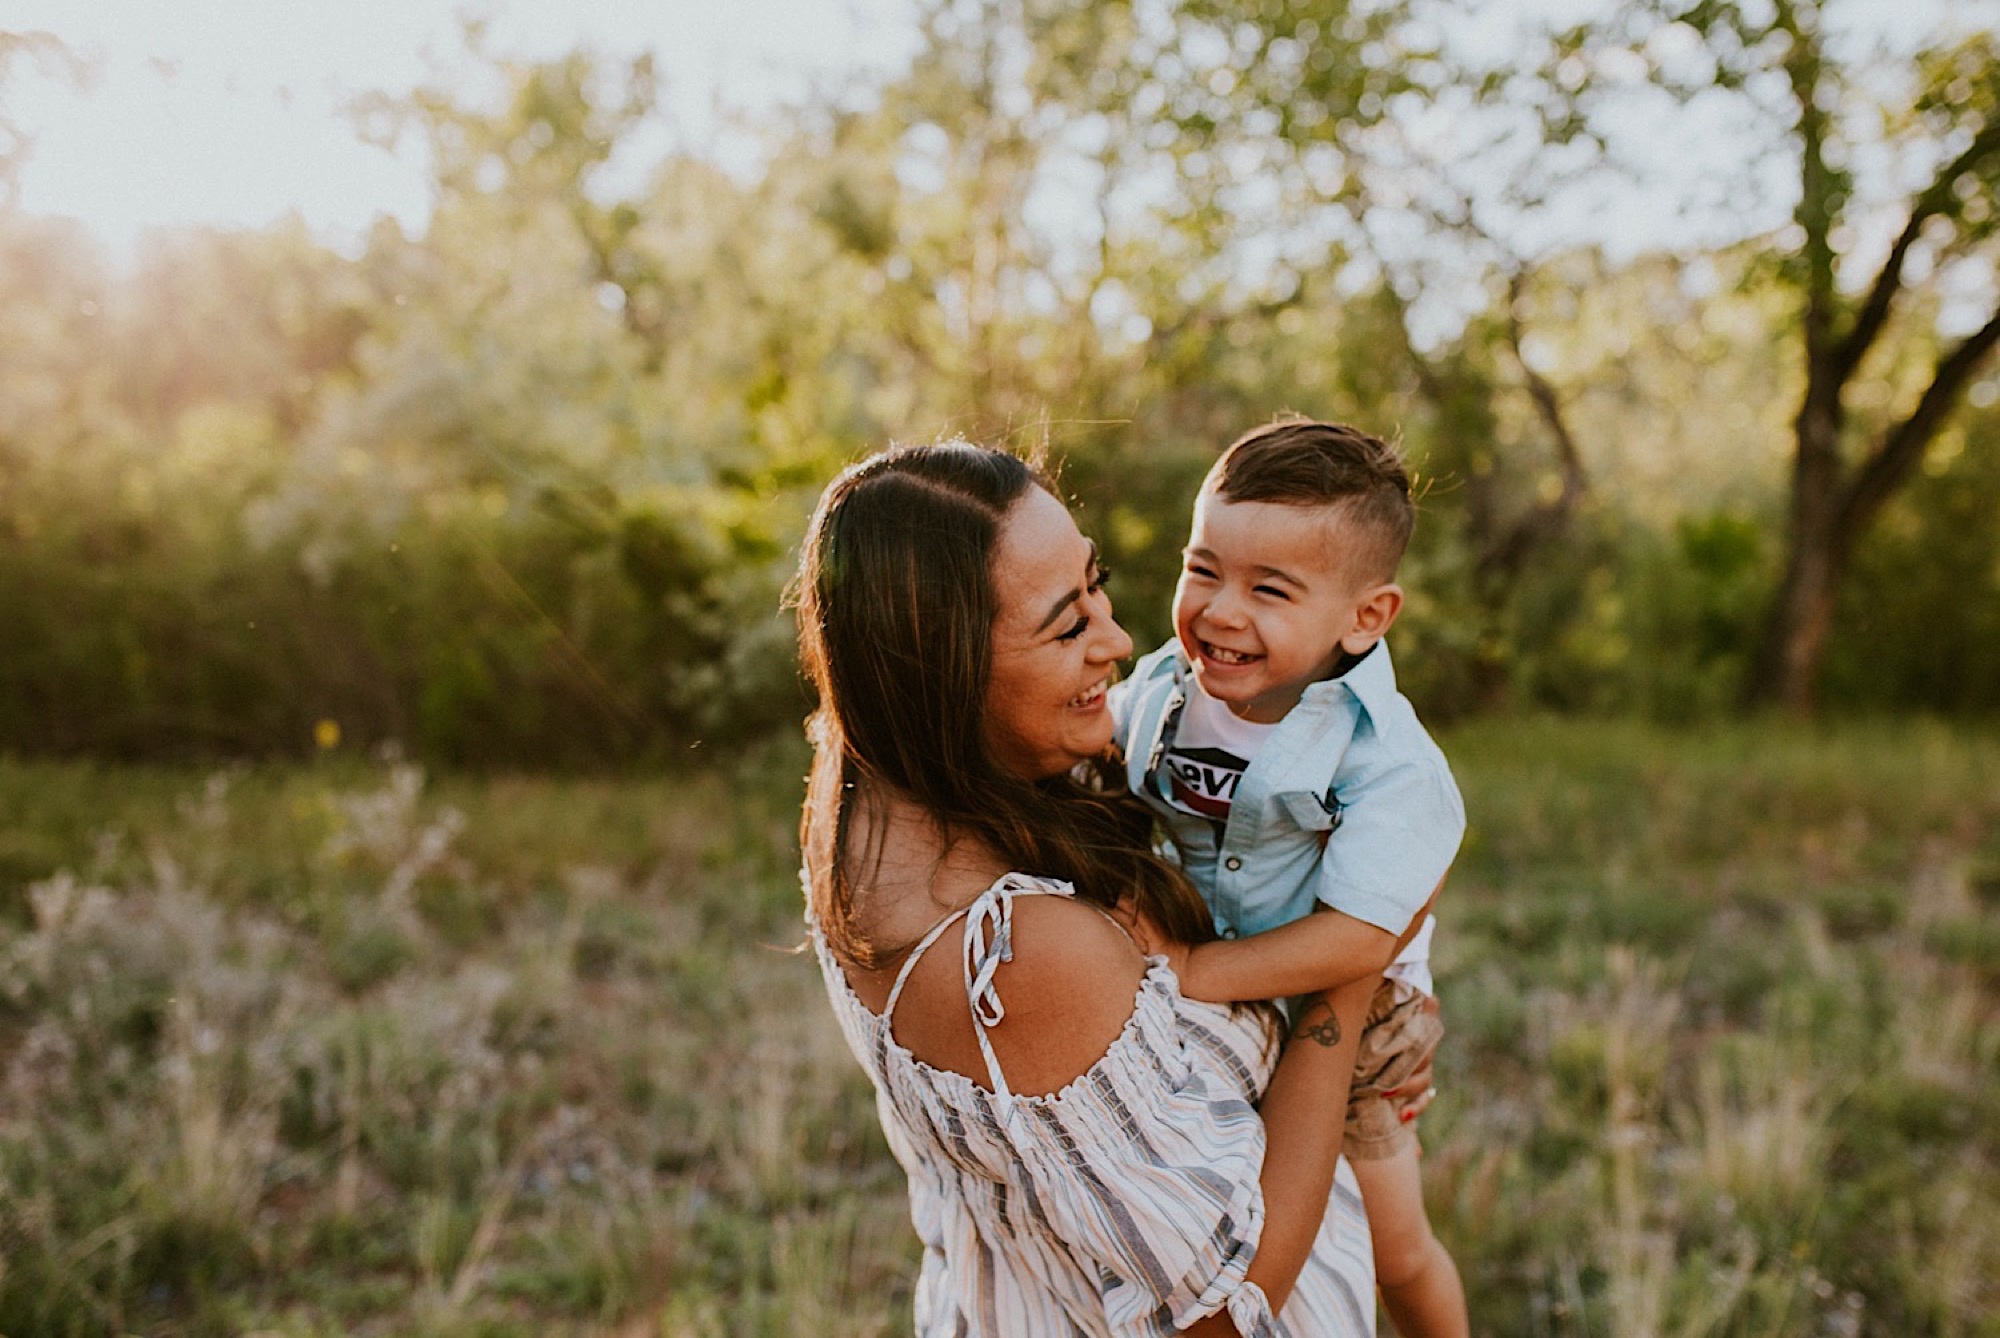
x=1296, y=779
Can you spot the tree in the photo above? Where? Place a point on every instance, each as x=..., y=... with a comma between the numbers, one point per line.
x=1450, y=172
x=1323, y=160
x=1893, y=159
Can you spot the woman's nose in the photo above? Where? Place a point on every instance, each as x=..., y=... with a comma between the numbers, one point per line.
x=1117, y=642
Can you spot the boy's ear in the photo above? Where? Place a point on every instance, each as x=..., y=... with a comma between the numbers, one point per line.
x=1373, y=617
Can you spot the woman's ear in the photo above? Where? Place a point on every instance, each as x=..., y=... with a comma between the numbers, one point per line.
x=1373, y=617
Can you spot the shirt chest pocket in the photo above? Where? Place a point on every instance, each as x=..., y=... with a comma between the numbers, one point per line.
x=1310, y=812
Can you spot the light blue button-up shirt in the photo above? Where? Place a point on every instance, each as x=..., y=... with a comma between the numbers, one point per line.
x=1349, y=802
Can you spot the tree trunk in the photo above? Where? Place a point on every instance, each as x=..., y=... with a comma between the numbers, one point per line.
x=1786, y=674
x=1833, y=508
x=1786, y=671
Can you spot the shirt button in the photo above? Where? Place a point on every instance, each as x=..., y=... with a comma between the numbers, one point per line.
x=1229, y=933
x=1233, y=863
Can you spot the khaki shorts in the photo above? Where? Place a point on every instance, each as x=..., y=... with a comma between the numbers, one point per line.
x=1402, y=1031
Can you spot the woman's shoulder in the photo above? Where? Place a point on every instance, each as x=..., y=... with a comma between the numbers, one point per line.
x=1056, y=931
x=1064, y=983
x=1051, y=934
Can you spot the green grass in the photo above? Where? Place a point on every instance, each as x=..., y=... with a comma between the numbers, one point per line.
x=352, y=1050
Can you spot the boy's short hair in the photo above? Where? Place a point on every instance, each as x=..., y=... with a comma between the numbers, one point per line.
x=1304, y=462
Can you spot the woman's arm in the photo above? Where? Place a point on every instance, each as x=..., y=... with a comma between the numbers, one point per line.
x=1304, y=1112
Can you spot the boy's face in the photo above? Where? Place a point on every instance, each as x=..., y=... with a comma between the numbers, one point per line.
x=1266, y=606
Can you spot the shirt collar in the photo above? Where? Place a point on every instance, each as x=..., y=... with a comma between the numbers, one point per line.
x=1372, y=680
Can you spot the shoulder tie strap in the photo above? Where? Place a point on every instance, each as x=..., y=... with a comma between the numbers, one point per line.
x=988, y=942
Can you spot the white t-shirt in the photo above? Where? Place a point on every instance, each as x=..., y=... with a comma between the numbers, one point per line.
x=1212, y=745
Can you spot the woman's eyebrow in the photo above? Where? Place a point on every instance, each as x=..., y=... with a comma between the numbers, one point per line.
x=1069, y=598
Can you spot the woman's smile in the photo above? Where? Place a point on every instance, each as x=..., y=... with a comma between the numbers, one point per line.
x=1091, y=699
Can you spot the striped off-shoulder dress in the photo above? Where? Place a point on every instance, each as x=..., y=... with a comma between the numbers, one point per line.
x=1125, y=1204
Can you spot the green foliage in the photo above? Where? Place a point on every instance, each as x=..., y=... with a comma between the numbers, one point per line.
x=523, y=489
x=1920, y=618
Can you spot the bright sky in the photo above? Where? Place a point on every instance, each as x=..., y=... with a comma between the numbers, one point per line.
x=226, y=111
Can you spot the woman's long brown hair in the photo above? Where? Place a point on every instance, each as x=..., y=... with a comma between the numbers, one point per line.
x=896, y=605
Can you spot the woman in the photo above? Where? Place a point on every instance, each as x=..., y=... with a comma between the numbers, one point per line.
x=1088, y=1152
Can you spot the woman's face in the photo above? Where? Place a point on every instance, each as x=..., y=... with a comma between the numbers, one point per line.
x=1055, y=643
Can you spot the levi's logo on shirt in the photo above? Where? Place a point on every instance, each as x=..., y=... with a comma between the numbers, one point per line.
x=1203, y=781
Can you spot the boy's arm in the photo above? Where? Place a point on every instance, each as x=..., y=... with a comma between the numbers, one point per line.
x=1321, y=951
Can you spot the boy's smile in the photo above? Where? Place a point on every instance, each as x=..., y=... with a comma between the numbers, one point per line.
x=1267, y=604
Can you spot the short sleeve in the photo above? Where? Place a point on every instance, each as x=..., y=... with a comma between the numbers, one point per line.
x=1400, y=828
x=1147, y=1167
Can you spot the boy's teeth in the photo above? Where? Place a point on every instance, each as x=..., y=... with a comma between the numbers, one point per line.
x=1228, y=656
x=1086, y=698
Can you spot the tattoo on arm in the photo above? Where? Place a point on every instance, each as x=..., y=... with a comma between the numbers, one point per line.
x=1318, y=1024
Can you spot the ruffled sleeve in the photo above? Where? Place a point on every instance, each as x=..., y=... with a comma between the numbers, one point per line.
x=1147, y=1167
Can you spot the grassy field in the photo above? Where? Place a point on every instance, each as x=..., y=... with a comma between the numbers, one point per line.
x=353, y=1050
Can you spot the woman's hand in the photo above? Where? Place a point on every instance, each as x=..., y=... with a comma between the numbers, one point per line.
x=1417, y=1091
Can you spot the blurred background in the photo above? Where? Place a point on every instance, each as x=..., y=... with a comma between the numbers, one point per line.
x=480, y=411
x=408, y=415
